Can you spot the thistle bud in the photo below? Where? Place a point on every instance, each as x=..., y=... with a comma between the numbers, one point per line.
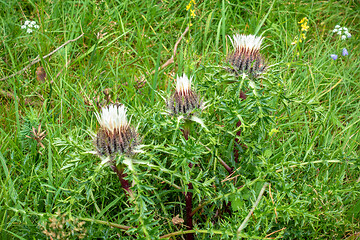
x=115, y=134
x=246, y=57
x=184, y=100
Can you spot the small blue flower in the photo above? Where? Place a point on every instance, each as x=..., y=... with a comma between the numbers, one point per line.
x=334, y=56
x=345, y=52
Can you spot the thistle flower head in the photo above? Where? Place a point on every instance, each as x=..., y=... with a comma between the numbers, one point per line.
x=184, y=100
x=115, y=134
x=246, y=56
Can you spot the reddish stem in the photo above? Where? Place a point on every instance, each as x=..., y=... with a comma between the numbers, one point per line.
x=229, y=169
x=189, y=194
x=124, y=183
x=186, y=133
x=189, y=220
x=237, y=140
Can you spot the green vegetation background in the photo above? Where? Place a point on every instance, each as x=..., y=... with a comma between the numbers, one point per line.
x=301, y=130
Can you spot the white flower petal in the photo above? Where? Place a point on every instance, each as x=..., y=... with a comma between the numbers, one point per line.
x=26, y=22
x=29, y=30
x=112, y=117
x=249, y=42
x=23, y=26
x=337, y=26
x=343, y=37
x=183, y=84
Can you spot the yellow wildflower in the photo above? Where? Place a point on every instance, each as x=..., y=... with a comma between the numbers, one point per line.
x=304, y=27
x=303, y=20
x=192, y=13
x=192, y=2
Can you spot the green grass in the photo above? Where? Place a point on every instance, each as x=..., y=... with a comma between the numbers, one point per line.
x=312, y=162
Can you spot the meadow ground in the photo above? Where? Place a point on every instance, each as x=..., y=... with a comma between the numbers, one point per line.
x=298, y=151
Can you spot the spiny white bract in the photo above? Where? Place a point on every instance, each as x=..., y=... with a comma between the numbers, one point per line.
x=184, y=100
x=183, y=84
x=246, y=57
x=115, y=134
x=112, y=117
x=249, y=42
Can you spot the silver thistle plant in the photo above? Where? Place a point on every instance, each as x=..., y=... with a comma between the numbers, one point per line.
x=115, y=134
x=184, y=100
x=246, y=57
